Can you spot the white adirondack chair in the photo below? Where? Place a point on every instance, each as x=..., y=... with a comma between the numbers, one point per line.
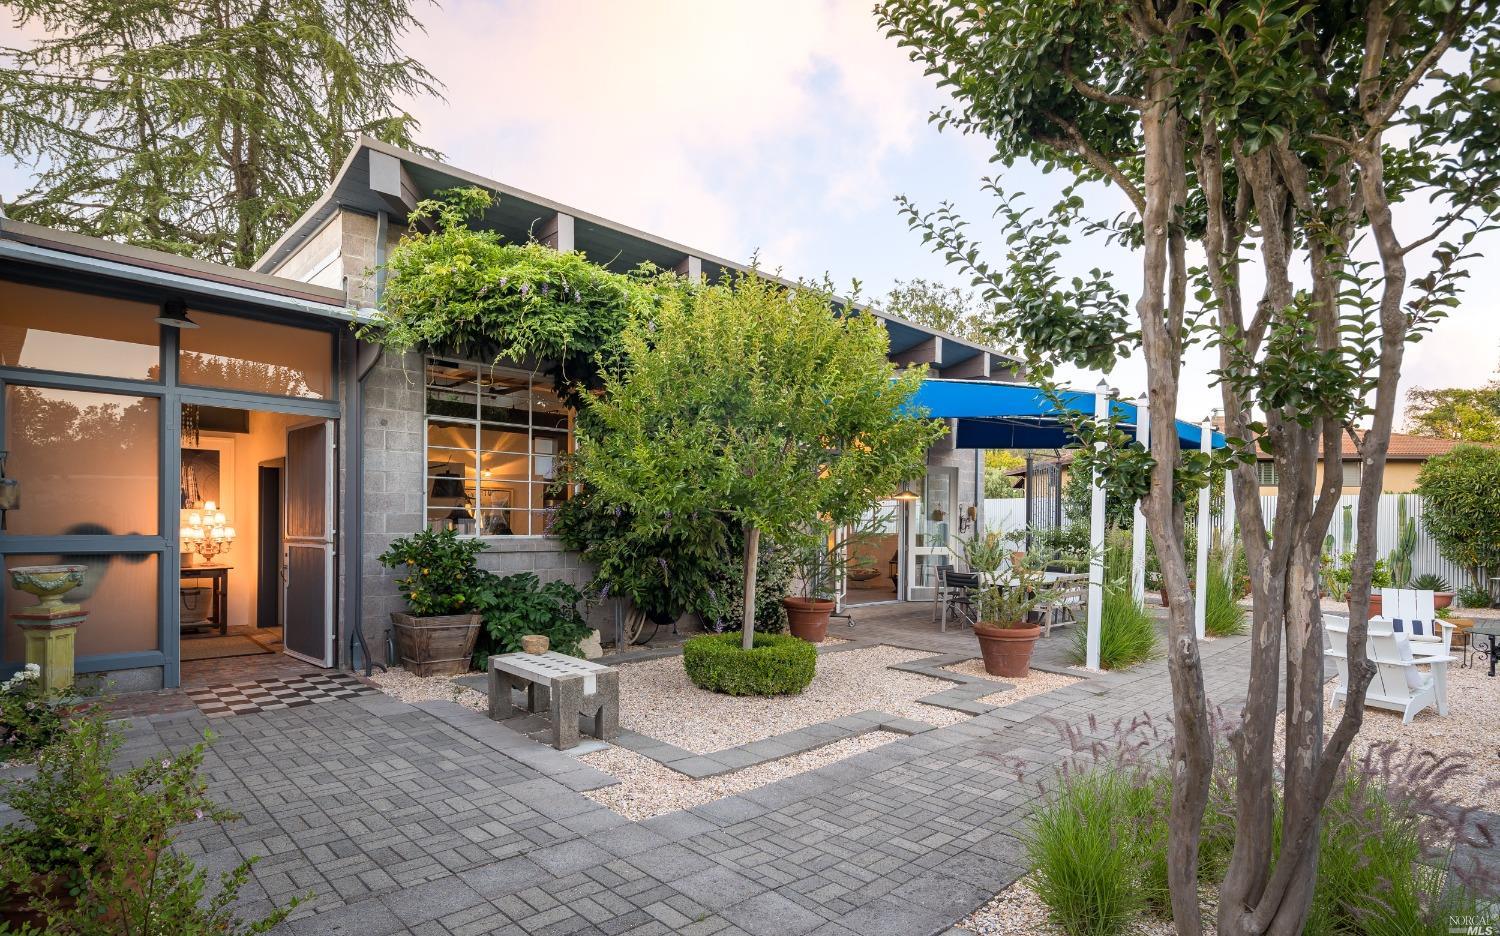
x=1412, y=611
x=1398, y=684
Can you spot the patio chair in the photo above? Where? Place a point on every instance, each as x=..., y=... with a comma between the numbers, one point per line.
x=1412, y=611
x=1398, y=684
x=958, y=598
x=1067, y=603
x=940, y=574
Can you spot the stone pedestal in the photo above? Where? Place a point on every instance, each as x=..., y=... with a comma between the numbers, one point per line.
x=48, y=637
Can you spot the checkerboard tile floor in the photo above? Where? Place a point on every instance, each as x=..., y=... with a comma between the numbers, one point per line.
x=267, y=695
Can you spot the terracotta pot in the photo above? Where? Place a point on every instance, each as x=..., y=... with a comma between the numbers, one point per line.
x=435, y=646
x=1377, y=604
x=1166, y=602
x=808, y=617
x=1442, y=599
x=1006, y=650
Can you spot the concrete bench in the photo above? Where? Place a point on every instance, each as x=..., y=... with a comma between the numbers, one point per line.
x=565, y=686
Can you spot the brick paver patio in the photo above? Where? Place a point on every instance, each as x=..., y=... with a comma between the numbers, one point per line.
x=433, y=820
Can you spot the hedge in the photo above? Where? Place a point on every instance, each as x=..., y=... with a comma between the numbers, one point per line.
x=777, y=664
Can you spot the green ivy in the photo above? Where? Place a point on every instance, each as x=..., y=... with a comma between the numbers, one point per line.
x=455, y=290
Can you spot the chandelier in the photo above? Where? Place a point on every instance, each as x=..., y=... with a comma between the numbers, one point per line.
x=207, y=532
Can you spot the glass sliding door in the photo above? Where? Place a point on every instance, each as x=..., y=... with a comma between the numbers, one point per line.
x=873, y=573
x=933, y=523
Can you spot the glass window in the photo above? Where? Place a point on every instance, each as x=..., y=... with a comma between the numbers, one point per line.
x=1265, y=472
x=56, y=330
x=87, y=463
x=119, y=592
x=261, y=357
x=495, y=441
x=1351, y=474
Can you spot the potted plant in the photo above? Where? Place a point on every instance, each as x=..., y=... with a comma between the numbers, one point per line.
x=1004, y=603
x=442, y=584
x=1442, y=592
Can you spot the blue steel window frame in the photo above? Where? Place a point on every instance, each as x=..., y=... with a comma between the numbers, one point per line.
x=172, y=395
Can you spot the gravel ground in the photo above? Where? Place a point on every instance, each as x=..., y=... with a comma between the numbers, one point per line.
x=1018, y=911
x=647, y=788
x=409, y=688
x=1473, y=699
x=657, y=694
x=1035, y=684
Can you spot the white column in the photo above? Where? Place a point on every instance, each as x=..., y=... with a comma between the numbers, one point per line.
x=1229, y=521
x=1096, y=540
x=1138, y=528
x=1205, y=531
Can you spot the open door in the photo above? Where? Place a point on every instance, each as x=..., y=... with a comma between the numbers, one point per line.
x=307, y=541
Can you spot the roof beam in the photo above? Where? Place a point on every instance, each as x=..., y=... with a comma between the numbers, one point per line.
x=690, y=267
x=924, y=352
x=390, y=180
x=557, y=232
x=974, y=368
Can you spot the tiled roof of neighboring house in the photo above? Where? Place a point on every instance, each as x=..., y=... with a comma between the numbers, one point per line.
x=1403, y=447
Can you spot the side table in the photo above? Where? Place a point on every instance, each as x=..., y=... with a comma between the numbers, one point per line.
x=218, y=579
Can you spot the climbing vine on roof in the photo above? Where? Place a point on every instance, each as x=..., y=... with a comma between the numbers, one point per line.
x=455, y=290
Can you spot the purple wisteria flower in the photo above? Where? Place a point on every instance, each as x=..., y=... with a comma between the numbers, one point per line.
x=504, y=280
x=525, y=288
x=604, y=591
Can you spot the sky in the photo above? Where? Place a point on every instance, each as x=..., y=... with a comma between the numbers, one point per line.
x=783, y=128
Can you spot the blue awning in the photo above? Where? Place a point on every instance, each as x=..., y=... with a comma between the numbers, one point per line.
x=1005, y=416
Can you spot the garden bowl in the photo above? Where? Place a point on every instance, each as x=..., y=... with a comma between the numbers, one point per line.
x=48, y=584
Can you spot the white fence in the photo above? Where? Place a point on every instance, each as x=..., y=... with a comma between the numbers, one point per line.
x=1425, y=559
x=1005, y=514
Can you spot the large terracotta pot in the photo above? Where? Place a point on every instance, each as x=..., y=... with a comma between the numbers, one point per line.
x=1377, y=604
x=808, y=618
x=1442, y=599
x=1006, y=650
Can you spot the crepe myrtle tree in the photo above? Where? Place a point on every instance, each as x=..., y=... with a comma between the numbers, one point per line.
x=1273, y=133
x=756, y=402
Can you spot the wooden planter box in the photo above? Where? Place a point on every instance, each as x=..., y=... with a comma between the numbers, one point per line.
x=435, y=646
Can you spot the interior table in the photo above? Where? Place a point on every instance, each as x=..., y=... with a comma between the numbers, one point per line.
x=218, y=580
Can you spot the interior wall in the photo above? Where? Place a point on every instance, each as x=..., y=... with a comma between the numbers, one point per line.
x=266, y=441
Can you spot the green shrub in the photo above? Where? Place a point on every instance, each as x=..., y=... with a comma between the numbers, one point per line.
x=1083, y=846
x=1473, y=596
x=1222, y=614
x=104, y=838
x=775, y=665
x=30, y=718
x=442, y=571
x=1127, y=631
x=516, y=605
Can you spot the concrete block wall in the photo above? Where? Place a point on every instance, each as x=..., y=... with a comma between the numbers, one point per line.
x=395, y=479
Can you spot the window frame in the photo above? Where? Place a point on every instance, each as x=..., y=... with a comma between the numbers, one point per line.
x=479, y=426
x=1266, y=474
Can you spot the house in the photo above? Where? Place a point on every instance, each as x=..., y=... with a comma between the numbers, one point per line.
x=1403, y=462
x=219, y=451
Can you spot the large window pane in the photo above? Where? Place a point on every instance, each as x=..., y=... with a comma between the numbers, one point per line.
x=86, y=462
x=51, y=329
x=120, y=593
x=261, y=357
x=495, y=442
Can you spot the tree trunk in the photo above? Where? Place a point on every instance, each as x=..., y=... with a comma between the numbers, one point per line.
x=752, y=560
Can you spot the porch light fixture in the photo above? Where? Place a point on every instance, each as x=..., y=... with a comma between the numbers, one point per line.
x=906, y=495
x=174, y=315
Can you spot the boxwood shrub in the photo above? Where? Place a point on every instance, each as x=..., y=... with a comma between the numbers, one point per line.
x=777, y=664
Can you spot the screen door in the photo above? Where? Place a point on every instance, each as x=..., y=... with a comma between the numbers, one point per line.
x=307, y=543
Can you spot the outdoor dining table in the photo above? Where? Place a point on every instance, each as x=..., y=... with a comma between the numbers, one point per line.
x=1490, y=629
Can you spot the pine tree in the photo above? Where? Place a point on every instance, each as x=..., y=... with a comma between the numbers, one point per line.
x=201, y=127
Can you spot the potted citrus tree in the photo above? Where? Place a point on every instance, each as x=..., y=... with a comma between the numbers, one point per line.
x=442, y=582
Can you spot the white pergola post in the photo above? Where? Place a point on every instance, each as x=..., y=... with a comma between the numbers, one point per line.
x=1096, y=540
x=1138, y=523
x=1205, y=530
x=1228, y=521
